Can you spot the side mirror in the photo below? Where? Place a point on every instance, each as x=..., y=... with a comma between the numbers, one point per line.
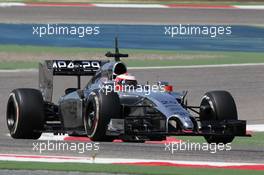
x=70, y=90
x=164, y=83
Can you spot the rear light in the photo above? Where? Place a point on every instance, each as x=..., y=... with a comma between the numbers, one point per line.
x=168, y=88
x=118, y=88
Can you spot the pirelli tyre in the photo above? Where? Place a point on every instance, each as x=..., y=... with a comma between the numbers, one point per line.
x=25, y=113
x=101, y=107
x=221, y=107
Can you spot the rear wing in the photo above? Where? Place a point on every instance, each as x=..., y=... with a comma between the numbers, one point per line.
x=78, y=68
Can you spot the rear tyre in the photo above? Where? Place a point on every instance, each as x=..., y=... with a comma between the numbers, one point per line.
x=25, y=113
x=218, y=105
x=101, y=108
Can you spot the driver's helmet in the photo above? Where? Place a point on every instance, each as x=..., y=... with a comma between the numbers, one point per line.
x=125, y=79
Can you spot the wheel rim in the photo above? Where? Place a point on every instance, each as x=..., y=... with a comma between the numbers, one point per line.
x=12, y=114
x=91, y=120
x=207, y=114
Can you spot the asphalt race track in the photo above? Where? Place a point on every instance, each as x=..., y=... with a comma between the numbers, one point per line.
x=129, y=16
x=245, y=83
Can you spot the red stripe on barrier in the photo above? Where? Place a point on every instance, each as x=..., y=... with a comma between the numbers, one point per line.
x=167, y=141
x=82, y=139
x=86, y=139
x=39, y=157
x=249, y=132
x=240, y=167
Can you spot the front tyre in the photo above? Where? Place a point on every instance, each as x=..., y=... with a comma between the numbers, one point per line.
x=218, y=105
x=100, y=109
x=25, y=113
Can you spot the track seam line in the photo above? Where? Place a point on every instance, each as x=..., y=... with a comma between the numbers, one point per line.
x=109, y=5
x=153, y=67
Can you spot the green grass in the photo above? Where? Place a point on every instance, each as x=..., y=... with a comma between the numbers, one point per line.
x=130, y=169
x=140, y=57
x=218, y=2
x=18, y=64
x=44, y=49
x=257, y=139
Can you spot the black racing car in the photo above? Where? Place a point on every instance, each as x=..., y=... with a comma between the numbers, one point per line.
x=104, y=110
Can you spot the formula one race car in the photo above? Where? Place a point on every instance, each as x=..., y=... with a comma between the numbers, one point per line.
x=112, y=105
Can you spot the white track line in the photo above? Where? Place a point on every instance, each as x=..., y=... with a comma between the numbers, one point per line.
x=17, y=70
x=198, y=66
x=51, y=136
x=250, y=7
x=11, y=4
x=154, y=67
x=48, y=136
x=256, y=128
